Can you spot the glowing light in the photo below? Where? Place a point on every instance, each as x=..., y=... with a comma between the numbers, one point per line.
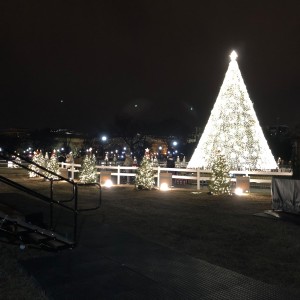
x=108, y=183
x=239, y=191
x=233, y=55
x=164, y=187
x=234, y=128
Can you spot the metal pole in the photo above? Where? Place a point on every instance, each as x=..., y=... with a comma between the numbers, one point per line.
x=51, y=203
x=75, y=212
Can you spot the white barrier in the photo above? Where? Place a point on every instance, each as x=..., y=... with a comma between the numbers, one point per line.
x=196, y=175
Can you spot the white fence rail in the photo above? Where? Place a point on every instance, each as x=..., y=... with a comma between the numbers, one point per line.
x=192, y=175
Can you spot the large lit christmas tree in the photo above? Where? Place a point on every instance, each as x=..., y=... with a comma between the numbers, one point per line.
x=144, y=179
x=233, y=129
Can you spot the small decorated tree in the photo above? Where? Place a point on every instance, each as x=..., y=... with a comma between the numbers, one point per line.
x=52, y=165
x=17, y=161
x=144, y=179
x=88, y=173
x=220, y=180
x=155, y=161
x=38, y=159
x=177, y=163
x=46, y=162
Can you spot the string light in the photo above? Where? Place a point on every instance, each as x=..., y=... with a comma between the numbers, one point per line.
x=234, y=129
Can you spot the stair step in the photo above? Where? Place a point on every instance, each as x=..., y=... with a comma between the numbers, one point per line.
x=57, y=244
x=38, y=237
x=19, y=229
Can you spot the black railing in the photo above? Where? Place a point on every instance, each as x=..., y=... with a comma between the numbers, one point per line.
x=62, y=203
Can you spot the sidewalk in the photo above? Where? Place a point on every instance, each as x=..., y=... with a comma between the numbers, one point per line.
x=111, y=264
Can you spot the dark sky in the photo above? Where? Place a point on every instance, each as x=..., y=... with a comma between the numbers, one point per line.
x=78, y=64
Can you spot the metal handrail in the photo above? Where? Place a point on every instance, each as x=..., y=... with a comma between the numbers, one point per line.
x=99, y=200
x=50, y=199
x=37, y=165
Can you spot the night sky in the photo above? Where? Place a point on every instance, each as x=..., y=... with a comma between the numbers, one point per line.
x=79, y=64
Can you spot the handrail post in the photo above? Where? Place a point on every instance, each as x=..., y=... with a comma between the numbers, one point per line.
x=51, y=203
x=75, y=212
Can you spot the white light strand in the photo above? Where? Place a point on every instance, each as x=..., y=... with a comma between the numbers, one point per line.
x=233, y=127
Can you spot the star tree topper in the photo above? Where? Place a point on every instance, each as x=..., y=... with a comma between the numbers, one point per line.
x=233, y=55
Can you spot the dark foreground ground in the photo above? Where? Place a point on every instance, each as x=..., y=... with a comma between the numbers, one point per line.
x=222, y=230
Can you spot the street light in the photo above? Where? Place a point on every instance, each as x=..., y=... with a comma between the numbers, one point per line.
x=103, y=141
x=175, y=143
x=159, y=152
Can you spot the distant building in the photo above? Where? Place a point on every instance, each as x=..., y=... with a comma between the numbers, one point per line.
x=15, y=132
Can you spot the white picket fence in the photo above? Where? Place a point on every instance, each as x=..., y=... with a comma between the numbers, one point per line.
x=194, y=176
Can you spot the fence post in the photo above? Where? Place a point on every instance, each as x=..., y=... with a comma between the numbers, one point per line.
x=119, y=175
x=198, y=178
x=158, y=176
x=72, y=171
